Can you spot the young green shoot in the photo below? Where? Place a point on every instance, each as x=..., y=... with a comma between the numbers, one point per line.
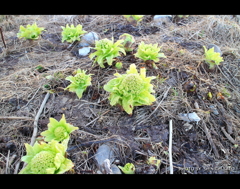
x=72, y=33
x=106, y=51
x=131, y=89
x=212, y=58
x=79, y=82
x=30, y=32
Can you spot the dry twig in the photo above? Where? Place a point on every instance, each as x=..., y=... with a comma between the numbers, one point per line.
x=170, y=147
x=210, y=140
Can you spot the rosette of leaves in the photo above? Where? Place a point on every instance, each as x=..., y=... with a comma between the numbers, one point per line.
x=46, y=158
x=149, y=52
x=211, y=57
x=58, y=131
x=79, y=82
x=131, y=89
x=106, y=51
x=30, y=32
x=128, y=41
x=72, y=33
x=128, y=168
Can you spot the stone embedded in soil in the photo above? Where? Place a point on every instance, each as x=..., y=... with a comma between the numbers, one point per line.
x=105, y=152
x=84, y=51
x=160, y=19
x=213, y=109
x=189, y=117
x=88, y=39
x=216, y=48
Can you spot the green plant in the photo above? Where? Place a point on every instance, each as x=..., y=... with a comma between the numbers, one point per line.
x=128, y=41
x=128, y=168
x=30, y=32
x=131, y=89
x=79, y=82
x=106, y=51
x=212, y=58
x=133, y=19
x=149, y=52
x=153, y=161
x=58, y=131
x=118, y=65
x=72, y=33
x=46, y=158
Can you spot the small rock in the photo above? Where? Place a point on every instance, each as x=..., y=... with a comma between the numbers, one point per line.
x=187, y=126
x=160, y=19
x=88, y=39
x=216, y=48
x=104, y=152
x=115, y=169
x=189, y=117
x=213, y=109
x=105, y=157
x=84, y=51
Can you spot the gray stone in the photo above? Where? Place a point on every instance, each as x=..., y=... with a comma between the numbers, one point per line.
x=189, y=117
x=84, y=51
x=105, y=157
x=104, y=152
x=213, y=109
x=115, y=169
x=216, y=48
x=88, y=39
x=160, y=19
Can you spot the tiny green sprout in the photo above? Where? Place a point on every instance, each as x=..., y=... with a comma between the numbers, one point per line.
x=118, y=65
x=212, y=58
x=131, y=89
x=149, y=52
x=128, y=41
x=40, y=68
x=128, y=168
x=79, y=82
x=58, y=131
x=235, y=145
x=153, y=161
x=183, y=16
x=30, y=32
x=226, y=93
x=71, y=33
x=46, y=158
x=106, y=51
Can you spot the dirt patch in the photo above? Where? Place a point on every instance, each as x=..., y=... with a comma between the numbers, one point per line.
x=209, y=146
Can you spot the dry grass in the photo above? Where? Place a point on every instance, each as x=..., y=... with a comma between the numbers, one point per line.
x=20, y=80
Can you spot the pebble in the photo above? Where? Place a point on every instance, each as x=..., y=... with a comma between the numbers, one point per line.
x=105, y=152
x=160, y=19
x=88, y=39
x=216, y=48
x=189, y=117
x=84, y=51
x=213, y=109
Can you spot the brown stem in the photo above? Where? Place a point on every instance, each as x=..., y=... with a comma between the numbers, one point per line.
x=3, y=38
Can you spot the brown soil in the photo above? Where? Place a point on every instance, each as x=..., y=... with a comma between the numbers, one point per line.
x=210, y=146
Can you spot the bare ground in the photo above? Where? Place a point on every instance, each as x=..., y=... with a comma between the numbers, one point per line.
x=207, y=147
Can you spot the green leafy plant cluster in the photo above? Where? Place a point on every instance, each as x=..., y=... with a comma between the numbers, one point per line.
x=49, y=156
x=30, y=32
x=212, y=58
x=72, y=33
x=149, y=52
x=131, y=89
x=79, y=82
x=128, y=41
x=106, y=51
